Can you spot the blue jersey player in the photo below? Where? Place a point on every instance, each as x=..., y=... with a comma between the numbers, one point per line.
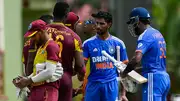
x=151, y=51
x=102, y=84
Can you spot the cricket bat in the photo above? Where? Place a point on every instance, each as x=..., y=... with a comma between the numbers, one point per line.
x=133, y=74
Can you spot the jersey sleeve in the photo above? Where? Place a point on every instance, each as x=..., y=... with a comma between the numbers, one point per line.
x=32, y=46
x=85, y=50
x=144, y=43
x=123, y=53
x=78, y=43
x=25, y=52
x=53, y=53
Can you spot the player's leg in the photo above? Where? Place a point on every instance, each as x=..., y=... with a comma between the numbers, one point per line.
x=51, y=94
x=167, y=87
x=164, y=96
x=150, y=90
x=65, y=89
x=155, y=88
x=161, y=86
x=43, y=93
x=109, y=91
x=119, y=87
x=92, y=92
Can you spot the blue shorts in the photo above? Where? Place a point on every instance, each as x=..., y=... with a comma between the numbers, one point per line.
x=157, y=87
x=97, y=91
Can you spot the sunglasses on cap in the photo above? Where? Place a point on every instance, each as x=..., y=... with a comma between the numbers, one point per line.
x=89, y=22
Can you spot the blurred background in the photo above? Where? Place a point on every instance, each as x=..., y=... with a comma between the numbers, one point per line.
x=16, y=15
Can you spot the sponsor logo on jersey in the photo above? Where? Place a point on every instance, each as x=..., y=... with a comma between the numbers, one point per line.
x=95, y=50
x=102, y=62
x=99, y=59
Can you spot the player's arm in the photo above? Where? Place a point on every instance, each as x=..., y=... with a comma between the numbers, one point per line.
x=51, y=62
x=79, y=62
x=132, y=64
x=24, y=58
x=31, y=55
x=124, y=59
x=141, y=48
x=27, y=58
x=30, y=62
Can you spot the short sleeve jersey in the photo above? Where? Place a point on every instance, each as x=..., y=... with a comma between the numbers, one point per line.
x=101, y=68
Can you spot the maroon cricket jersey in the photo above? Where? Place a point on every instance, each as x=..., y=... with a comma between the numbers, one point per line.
x=47, y=52
x=68, y=41
x=29, y=46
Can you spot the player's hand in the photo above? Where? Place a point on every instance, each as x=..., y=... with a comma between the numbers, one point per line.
x=123, y=98
x=57, y=74
x=77, y=91
x=15, y=81
x=80, y=77
x=123, y=75
x=23, y=82
x=74, y=72
x=120, y=66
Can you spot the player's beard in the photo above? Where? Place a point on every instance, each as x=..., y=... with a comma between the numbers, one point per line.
x=40, y=41
x=134, y=30
x=100, y=32
x=137, y=31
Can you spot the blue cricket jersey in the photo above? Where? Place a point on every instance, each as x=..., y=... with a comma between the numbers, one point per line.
x=101, y=68
x=153, y=47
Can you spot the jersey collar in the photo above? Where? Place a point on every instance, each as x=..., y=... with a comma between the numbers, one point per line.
x=58, y=23
x=97, y=36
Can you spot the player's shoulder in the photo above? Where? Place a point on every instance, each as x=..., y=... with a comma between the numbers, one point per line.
x=118, y=41
x=91, y=39
x=75, y=35
x=52, y=44
x=147, y=35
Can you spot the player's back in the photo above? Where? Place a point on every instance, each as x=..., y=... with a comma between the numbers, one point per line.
x=101, y=68
x=65, y=37
x=154, y=55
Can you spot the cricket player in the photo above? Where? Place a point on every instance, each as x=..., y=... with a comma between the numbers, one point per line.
x=47, y=53
x=47, y=18
x=102, y=84
x=30, y=48
x=70, y=46
x=71, y=20
x=89, y=28
x=71, y=50
x=151, y=51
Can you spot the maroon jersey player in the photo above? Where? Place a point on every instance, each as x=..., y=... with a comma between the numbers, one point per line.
x=48, y=53
x=71, y=50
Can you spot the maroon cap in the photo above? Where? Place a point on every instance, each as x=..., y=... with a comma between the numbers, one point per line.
x=34, y=27
x=71, y=19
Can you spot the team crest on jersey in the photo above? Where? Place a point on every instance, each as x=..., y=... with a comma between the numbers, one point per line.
x=42, y=52
x=30, y=26
x=140, y=45
x=111, y=50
